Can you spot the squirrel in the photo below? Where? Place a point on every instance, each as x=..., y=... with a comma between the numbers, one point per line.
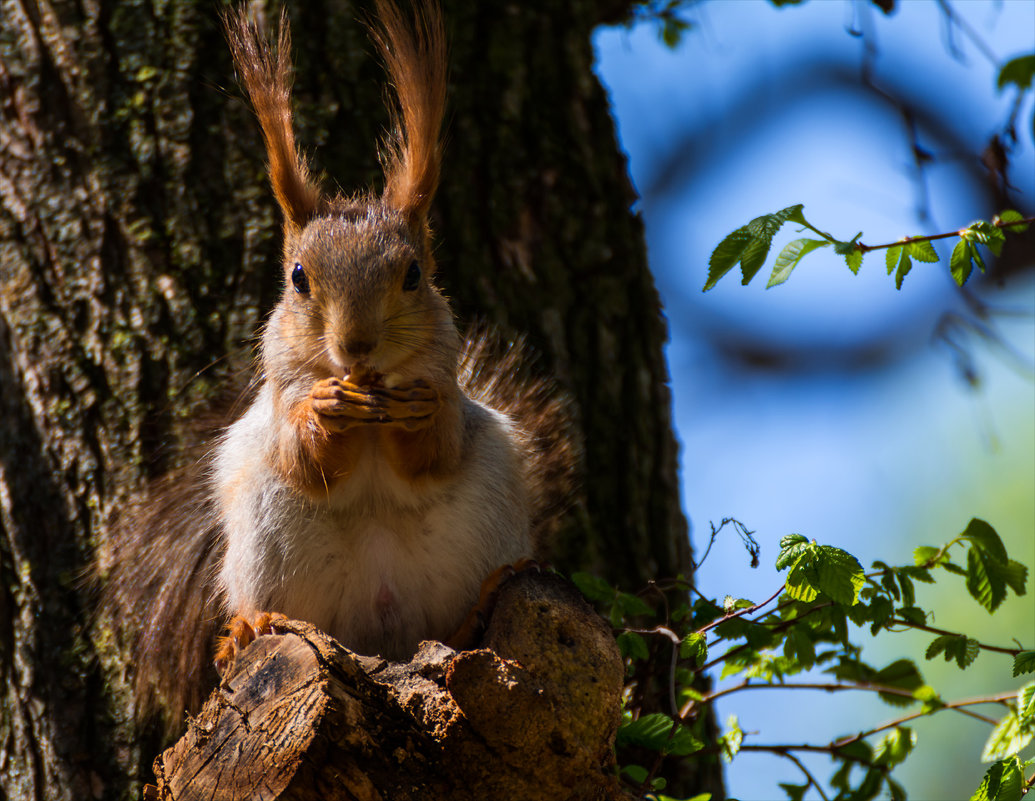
x=383, y=468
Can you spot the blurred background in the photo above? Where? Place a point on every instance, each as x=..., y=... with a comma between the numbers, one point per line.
x=835, y=406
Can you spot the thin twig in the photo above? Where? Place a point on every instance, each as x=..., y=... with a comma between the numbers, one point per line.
x=747, y=610
x=808, y=775
x=1001, y=698
x=998, y=224
x=924, y=627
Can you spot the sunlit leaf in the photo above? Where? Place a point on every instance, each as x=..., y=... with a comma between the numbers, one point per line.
x=1024, y=662
x=894, y=747
x=731, y=740
x=1002, y=782
x=891, y=258
x=854, y=260
x=695, y=648
x=1012, y=216
x=960, y=263
x=922, y=250
x=840, y=574
x=789, y=257
x=1007, y=738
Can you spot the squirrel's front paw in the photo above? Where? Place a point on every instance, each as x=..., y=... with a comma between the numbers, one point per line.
x=241, y=632
x=339, y=405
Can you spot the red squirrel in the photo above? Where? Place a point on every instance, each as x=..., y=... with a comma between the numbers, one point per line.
x=383, y=469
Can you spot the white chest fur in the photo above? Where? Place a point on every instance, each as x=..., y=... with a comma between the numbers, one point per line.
x=378, y=565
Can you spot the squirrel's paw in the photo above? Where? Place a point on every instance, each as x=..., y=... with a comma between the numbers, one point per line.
x=471, y=630
x=240, y=633
x=340, y=405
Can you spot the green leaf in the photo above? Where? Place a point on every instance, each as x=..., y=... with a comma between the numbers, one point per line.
x=632, y=645
x=987, y=538
x=1024, y=662
x=904, y=266
x=960, y=262
x=654, y=732
x=976, y=256
x=791, y=548
x=991, y=236
x=955, y=646
x=854, y=260
x=631, y=605
x=731, y=740
x=989, y=569
x=924, y=555
x=1007, y=738
x=1018, y=71
x=694, y=647
x=1002, y=782
x=593, y=587
x=891, y=258
x=894, y=747
x=763, y=229
x=930, y=699
x=908, y=593
x=637, y=774
x=726, y=254
x=748, y=245
x=800, y=647
x=754, y=257
x=803, y=581
x=902, y=674
x=840, y=574
x=795, y=792
x=922, y=250
x=1011, y=215
x=1015, y=575
x=1026, y=705
x=789, y=257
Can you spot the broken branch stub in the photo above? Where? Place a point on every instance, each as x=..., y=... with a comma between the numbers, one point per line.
x=530, y=716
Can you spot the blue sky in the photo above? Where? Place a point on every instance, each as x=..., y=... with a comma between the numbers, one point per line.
x=866, y=438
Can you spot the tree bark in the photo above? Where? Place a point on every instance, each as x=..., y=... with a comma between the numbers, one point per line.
x=138, y=253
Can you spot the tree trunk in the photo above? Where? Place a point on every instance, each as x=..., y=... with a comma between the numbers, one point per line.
x=138, y=253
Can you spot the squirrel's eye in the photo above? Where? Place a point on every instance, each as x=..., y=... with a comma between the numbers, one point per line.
x=412, y=279
x=300, y=280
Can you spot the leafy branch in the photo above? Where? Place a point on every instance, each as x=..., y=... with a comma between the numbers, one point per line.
x=803, y=626
x=750, y=244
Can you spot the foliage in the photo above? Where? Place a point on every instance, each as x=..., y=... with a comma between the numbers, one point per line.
x=750, y=244
x=809, y=625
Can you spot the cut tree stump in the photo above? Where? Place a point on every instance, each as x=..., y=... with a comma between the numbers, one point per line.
x=529, y=716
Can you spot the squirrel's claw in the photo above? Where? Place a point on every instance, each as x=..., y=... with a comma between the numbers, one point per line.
x=240, y=633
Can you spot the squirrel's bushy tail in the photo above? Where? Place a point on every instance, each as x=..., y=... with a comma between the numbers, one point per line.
x=500, y=373
x=160, y=597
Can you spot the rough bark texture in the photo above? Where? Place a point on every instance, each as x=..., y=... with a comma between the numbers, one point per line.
x=138, y=244
x=531, y=716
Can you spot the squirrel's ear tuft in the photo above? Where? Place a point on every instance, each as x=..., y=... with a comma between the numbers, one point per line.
x=415, y=56
x=266, y=72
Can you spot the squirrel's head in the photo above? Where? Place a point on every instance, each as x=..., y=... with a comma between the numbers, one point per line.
x=358, y=296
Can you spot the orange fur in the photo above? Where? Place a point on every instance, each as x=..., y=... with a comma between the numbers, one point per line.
x=416, y=62
x=267, y=76
x=315, y=459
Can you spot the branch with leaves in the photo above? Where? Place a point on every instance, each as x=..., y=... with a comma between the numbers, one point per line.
x=750, y=244
x=806, y=625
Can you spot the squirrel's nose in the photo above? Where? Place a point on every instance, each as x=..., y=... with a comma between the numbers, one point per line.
x=358, y=347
